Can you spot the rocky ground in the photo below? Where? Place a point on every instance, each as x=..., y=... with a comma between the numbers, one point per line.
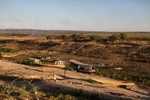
x=73, y=80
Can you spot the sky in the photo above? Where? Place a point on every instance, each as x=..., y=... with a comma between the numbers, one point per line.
x=85, y=15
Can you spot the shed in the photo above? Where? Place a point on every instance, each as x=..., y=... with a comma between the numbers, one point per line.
x=81, y=66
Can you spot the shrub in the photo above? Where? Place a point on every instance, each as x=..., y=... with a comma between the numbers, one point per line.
x=94, y=37
x=113, y=38
x=27, y=62
x=123, y=36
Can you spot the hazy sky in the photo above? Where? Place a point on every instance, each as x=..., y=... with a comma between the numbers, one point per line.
x=91, y=15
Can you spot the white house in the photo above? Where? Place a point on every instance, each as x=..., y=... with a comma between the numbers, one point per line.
x=59, y=62
x=37, y=61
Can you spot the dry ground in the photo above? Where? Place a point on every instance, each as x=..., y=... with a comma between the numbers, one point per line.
x=73, y=80
x=128, y=53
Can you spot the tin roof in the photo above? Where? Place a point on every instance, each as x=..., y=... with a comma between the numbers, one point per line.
x=78, y=63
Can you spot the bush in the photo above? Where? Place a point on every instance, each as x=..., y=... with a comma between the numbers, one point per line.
x=94, y=37
x=123, y=36
x=78, y=37
x=113, y=38
x=27, y=62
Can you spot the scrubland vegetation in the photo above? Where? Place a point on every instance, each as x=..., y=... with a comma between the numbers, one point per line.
x=81, y=37
x=131, y=52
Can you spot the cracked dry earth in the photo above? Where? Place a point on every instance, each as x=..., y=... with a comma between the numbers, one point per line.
x=74, y=80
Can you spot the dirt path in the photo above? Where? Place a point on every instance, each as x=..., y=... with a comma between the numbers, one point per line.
x=73, y=80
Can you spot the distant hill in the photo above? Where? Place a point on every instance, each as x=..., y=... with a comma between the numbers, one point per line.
x=36, y=32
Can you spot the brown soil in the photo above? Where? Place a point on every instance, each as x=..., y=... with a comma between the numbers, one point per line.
x=117, y=54
x=73, y=80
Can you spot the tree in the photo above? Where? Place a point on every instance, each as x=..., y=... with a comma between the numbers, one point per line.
x=113, y=38
x=123, y=36
x=78, y=37
x=74, y=37
x=94, y=37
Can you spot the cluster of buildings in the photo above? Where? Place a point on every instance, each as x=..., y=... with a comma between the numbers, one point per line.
x=49, y=61
x=54, y=62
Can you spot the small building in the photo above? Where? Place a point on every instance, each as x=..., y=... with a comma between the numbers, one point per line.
x=59, y=62
x=81, y=66
x=37, y=61
x=50, y=62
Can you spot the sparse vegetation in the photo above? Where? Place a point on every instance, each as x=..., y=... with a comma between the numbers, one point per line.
x=8, y=50
x=26, y=90
x=124, y=50
x=27, y=62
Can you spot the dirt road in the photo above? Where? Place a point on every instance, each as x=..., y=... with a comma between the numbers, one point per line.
x=73, y=80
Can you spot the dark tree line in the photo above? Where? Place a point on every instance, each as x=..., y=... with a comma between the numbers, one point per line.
x=87, y=37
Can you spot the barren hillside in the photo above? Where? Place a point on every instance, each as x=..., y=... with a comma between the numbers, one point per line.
x=133, y=57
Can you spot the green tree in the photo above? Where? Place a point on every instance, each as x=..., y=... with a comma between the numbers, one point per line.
x=123, y=36
x=113, y=38
x=94, y=37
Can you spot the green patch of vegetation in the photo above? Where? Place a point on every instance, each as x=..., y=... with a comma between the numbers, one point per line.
x=102, y=37
x=22, y=59
x=8, y=50
x=124, y=75
x=27, y=62
x=116, y=37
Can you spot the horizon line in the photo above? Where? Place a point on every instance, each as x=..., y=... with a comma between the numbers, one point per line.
x=68, y=30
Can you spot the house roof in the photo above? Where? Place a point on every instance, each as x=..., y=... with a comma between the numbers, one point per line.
x=78, y=63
